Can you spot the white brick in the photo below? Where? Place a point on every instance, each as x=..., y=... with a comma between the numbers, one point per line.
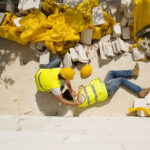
x=2, y=17
x=67, y=60
x=138, y=54
x=105, y=38
x=82, y=54
x=103, y=56
x=16, y=21
x=97, y=16
x=86, y=36
x=108, y=50
x=114, y=45
x=126, y=33
x=123, y=45
x=116, y=31
x=44, y=58
x=118, y=46
x=123, y=22
x=10, y=6
x=74, y=55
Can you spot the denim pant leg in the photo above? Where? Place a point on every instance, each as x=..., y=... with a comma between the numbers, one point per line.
x=55, y=63
x=113, y=84
x=119, y=73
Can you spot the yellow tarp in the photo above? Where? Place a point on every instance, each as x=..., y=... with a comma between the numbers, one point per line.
x=60, y=30
x=141, y=15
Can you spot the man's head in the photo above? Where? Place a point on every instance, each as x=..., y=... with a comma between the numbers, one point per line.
x=67, y=73
x=67, y=95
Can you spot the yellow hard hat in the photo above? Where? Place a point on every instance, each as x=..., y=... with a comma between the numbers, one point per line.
x=86, y=71
x=67, y=73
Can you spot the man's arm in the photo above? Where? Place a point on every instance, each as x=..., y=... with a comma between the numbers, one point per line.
x=79, y=96
x=64, y=101
x=67, y=82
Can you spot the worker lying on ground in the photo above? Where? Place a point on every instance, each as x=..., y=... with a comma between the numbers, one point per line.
x=52, y=79
x=98, y=91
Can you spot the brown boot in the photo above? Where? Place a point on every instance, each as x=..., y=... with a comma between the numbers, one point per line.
x=136, y=70
x=144, y=92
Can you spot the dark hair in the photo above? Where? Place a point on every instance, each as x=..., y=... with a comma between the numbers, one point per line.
x=60, y=76
x=67, y=95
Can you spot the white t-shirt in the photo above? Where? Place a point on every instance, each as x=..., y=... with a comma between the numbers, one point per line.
x=56, y=91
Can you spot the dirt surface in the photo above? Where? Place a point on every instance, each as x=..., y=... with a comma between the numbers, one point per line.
x=19, y=96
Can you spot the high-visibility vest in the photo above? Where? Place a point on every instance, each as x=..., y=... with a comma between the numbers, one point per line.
x=96, y=91
x=47, y=79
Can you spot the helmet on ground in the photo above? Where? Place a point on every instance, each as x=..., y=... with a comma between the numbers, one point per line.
x=67, y=73
x=86, y=71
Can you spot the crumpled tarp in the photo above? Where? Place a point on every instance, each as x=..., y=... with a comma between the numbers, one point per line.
x=141, y=14
x=61, y=29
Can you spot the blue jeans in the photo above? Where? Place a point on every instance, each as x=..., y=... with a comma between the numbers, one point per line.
x=55, y=63
x=115, y=79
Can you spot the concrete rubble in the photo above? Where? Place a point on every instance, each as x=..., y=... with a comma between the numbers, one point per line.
x=44, y=58
x=67, y=60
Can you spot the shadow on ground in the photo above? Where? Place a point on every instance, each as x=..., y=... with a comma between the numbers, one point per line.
x=49, y=105
x=9, y=51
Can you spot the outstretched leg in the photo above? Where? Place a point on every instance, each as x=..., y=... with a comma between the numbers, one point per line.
x=123, y=73
x=114, y=84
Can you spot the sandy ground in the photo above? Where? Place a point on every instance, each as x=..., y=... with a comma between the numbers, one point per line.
x=19, y=96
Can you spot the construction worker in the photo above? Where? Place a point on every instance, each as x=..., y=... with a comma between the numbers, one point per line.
x=98, y=91
x=50, y=79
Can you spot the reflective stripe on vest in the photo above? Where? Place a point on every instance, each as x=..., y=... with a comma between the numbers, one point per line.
x=96, y=91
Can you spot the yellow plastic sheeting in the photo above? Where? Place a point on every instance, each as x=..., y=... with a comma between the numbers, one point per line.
x=85, y=8
x=51, y=7
x=8, y=30
x=141, y=15
x=62, y=31
x=32, y=25
x=146, y=110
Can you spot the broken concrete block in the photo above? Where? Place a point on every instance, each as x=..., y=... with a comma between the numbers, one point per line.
x=28, y=4
x=126, y=33
x=10, y=7
x=118, y=46
x=67, y=60
x=123, y=45
x=97, y=16
x=123, y=22
x=40, y=46
x=128, y=12
x=86, y=36
x=105, y=38
x=44, y=58
x=115, y=47
x=82, y=54
x=138, y=54
x=108, y=50
x=2, y=17
x=123, y=5
x=116, y=31
x=73, y=54
x=16, y=22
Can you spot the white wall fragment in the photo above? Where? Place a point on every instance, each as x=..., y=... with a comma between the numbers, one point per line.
x=16, y=22
x=97, y=16
x=123, y=45
x=44, y=58
x=103, y=56
x=108, y=50
x=67, y=60
x=116, y=31
x=82, y=54
x=74, y=55
x=86, y=36
x=105, y=38
x=138, y=54
x=123, y=22
x=126, y=33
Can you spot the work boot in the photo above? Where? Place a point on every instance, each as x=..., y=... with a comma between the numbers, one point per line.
x=144, y=92
x=136, y=70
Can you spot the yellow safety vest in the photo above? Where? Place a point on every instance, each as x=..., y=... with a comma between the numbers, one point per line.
x=47, y=79
x=96, y=91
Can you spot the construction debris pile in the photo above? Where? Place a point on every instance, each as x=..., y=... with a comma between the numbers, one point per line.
x=75, y=28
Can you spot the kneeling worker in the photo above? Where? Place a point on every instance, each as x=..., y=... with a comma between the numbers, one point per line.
x=51, y=80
